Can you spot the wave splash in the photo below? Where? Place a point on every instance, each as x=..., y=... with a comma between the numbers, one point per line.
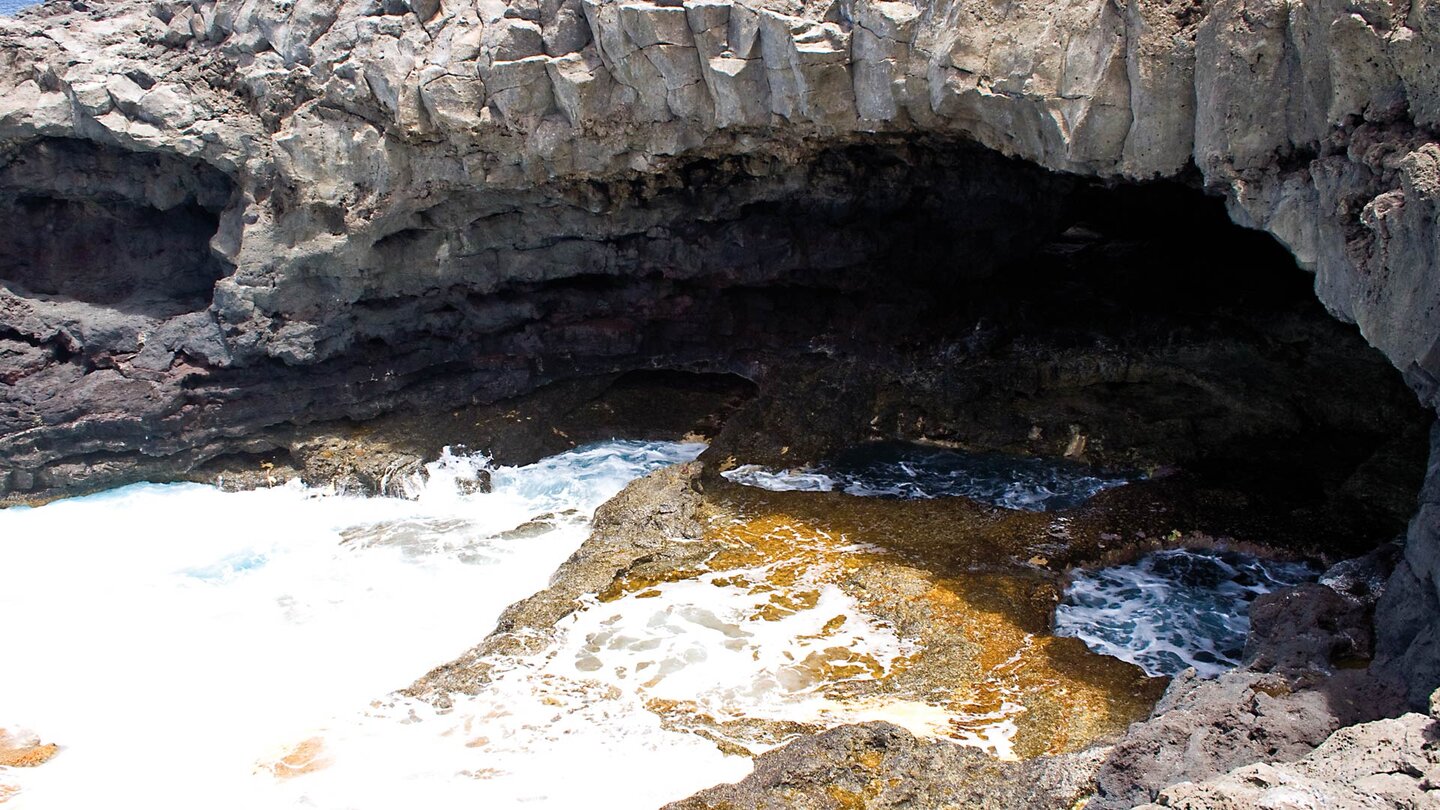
x=174, y=636
x=1173, y=609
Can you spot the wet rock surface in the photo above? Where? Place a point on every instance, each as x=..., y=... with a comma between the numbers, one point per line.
x=919, y=572
x=960, y=585
x=983, y=658
x=1233, y=741
x=879, y=765
x=280, y=222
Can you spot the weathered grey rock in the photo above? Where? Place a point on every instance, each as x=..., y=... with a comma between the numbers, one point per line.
x=1252, y=723
x=347, y=207
x=1334, y=113
x=1204, y=728
x=1307, y=627
x=1408, y=613
x=1384, y=764
x=1363, y=579
x=361, y=120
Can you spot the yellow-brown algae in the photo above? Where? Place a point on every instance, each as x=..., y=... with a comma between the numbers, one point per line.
x=307, y=756
x=958, y=579
x=19, y=749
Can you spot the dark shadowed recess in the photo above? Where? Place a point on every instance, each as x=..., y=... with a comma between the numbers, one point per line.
x=1138, y=329
x=108, y=226
x=897, y=289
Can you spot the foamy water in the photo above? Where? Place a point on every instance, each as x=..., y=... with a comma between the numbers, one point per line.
x=173, y=639
x=626, y=704
x=895, y=470
x=1173, y=609
x=188, y=646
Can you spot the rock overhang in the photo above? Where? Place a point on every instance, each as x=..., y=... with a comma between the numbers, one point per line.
x=347, y=129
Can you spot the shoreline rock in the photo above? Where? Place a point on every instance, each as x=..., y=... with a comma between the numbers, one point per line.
x=320, y=212
x=24, y=749
x=1199, y=730
x=1386, y=763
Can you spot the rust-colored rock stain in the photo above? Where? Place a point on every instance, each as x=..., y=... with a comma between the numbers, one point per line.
x=306, y=756
x=959, y=580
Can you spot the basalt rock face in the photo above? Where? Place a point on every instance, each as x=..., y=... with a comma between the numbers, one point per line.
x=227, y=216
x=705, y=267
x=1386, y=763
x=369, y=136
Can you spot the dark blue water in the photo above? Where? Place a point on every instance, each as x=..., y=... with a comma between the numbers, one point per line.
x=897, y=470
x=1173, y=609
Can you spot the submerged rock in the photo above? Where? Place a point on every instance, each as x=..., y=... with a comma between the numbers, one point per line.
x=964, y=657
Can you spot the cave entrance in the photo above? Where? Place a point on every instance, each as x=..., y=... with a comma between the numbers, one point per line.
x=105, y=226
x=946, y=295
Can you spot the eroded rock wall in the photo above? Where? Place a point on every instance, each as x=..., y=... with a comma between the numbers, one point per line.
x=406, y=201
x=1408, y=616
x=348, y=123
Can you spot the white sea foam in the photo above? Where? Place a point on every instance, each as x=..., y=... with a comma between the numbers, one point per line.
x=188, y=647
x=1173, y=609
x=578, y=724
x=702, y=641
x=171, y=637
x=802, y=479
x=575, y=726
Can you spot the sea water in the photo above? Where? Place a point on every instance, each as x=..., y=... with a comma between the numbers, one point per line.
x=1173, y=609
x=898, y=470
x=192, y=647
x=178, y=640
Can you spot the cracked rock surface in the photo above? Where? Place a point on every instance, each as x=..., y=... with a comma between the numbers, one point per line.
x=232, y=215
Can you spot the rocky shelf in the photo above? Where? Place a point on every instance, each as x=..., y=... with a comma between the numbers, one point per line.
x=253, y=239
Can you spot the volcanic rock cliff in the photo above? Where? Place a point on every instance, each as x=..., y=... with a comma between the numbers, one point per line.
x=229, y=218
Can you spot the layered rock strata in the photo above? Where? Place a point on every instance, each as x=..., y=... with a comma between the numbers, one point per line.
x=233, y=215
x=375, y=179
